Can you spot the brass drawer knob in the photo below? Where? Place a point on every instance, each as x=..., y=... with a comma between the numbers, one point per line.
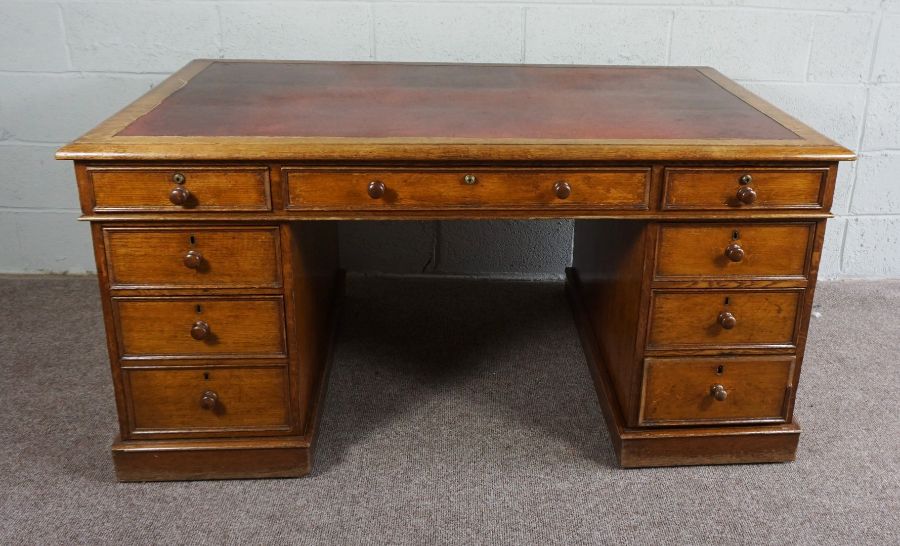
x=179, y=196
x=719, y=393
x=470, y=180
x=734, y=252
x=200, y=330
x=746, y=195
x=727, y=320
x=562, y=189
x=376, y=189
x=209, y=400
x=193, y=259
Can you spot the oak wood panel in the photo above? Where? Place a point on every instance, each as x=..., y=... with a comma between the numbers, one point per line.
x=699, y=250
x=228, y=257
x=147, y=188
x=609, y=260
x=624, y=188
x=243, y=401
x=689, y=319
x=716, y=188
x=678, y=391
x=238, y=326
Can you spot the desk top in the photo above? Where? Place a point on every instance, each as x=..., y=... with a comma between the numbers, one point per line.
x=236, y=110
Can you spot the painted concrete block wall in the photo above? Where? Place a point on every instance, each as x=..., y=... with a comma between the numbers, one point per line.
x=67, y=64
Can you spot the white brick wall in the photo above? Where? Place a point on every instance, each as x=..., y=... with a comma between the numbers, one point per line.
x=67, y=64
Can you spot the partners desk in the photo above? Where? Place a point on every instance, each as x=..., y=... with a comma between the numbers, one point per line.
x=213, y=200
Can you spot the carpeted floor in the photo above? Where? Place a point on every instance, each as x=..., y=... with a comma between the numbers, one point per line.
x=458, y=411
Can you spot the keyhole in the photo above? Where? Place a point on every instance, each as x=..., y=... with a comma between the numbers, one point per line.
x=199, y=309
x=735, y=235
x=727, y=300
x=192, y=239
x=720, y=370
x=206, y=374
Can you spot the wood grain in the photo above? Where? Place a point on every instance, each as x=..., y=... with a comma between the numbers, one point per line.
x=677, y=391
x=239, y=326
x=153, y=257
x=168, y=402
x=440, y=190
x=716, y=189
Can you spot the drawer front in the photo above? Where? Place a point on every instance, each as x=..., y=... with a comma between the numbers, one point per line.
x=681, y=391
x=733, y=250
x=723, y=319
x=432, y=190
x=200, y=327
x=176, y=189
x=744, y=189
x=207, y=400
x=193, y=258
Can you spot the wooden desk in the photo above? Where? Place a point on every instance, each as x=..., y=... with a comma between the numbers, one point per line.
x=700, y=213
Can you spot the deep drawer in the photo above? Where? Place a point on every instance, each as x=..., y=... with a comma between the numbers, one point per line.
x=194, y=327
x=194, y=257
x=680, y=391
x=196, y=400
x=624, y=188
x=733, y=250
x=738, y=189
x=179, y=189
x=723, y=319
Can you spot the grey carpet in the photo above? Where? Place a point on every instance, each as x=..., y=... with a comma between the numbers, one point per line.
x=458, y=412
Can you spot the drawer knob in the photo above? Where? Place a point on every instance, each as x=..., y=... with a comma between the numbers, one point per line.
x=200, y=330
x=470, y=179
x=734, y=252
x=179, y=196
x=178, y=178
x=376, y=189
x=209, y=400
x=727, y=320
x=746, y=195
x=719, y=393
x=562, y=189
x=193, y=259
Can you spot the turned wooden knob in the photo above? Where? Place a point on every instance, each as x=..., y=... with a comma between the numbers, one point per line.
x=376, y=189
x=200, y=330
x=727, y=320
x=209, y=400
x=734, y=252
x=179, y=196
x=746, y=195
x=192, y=259
x=719, y=393
x=562, y=189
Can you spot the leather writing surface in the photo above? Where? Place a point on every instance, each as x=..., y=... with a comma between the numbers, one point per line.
x=454, y=101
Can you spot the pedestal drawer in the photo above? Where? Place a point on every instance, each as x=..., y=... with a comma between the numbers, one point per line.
x=719, y=319
x=622, y=188
x=196, y=257
x=176, y=189
x=680, y=391
x=744, y=188
x=733, y=250
x=194, y=327
x=212, y=399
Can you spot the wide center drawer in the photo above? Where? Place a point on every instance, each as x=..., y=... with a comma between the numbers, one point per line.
x=219, y=257
x=733, y=250
x=192, y=327
x=720, y=390
x=178, y=189
x=322, y=189
x=723, y=319
x=207, y=400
